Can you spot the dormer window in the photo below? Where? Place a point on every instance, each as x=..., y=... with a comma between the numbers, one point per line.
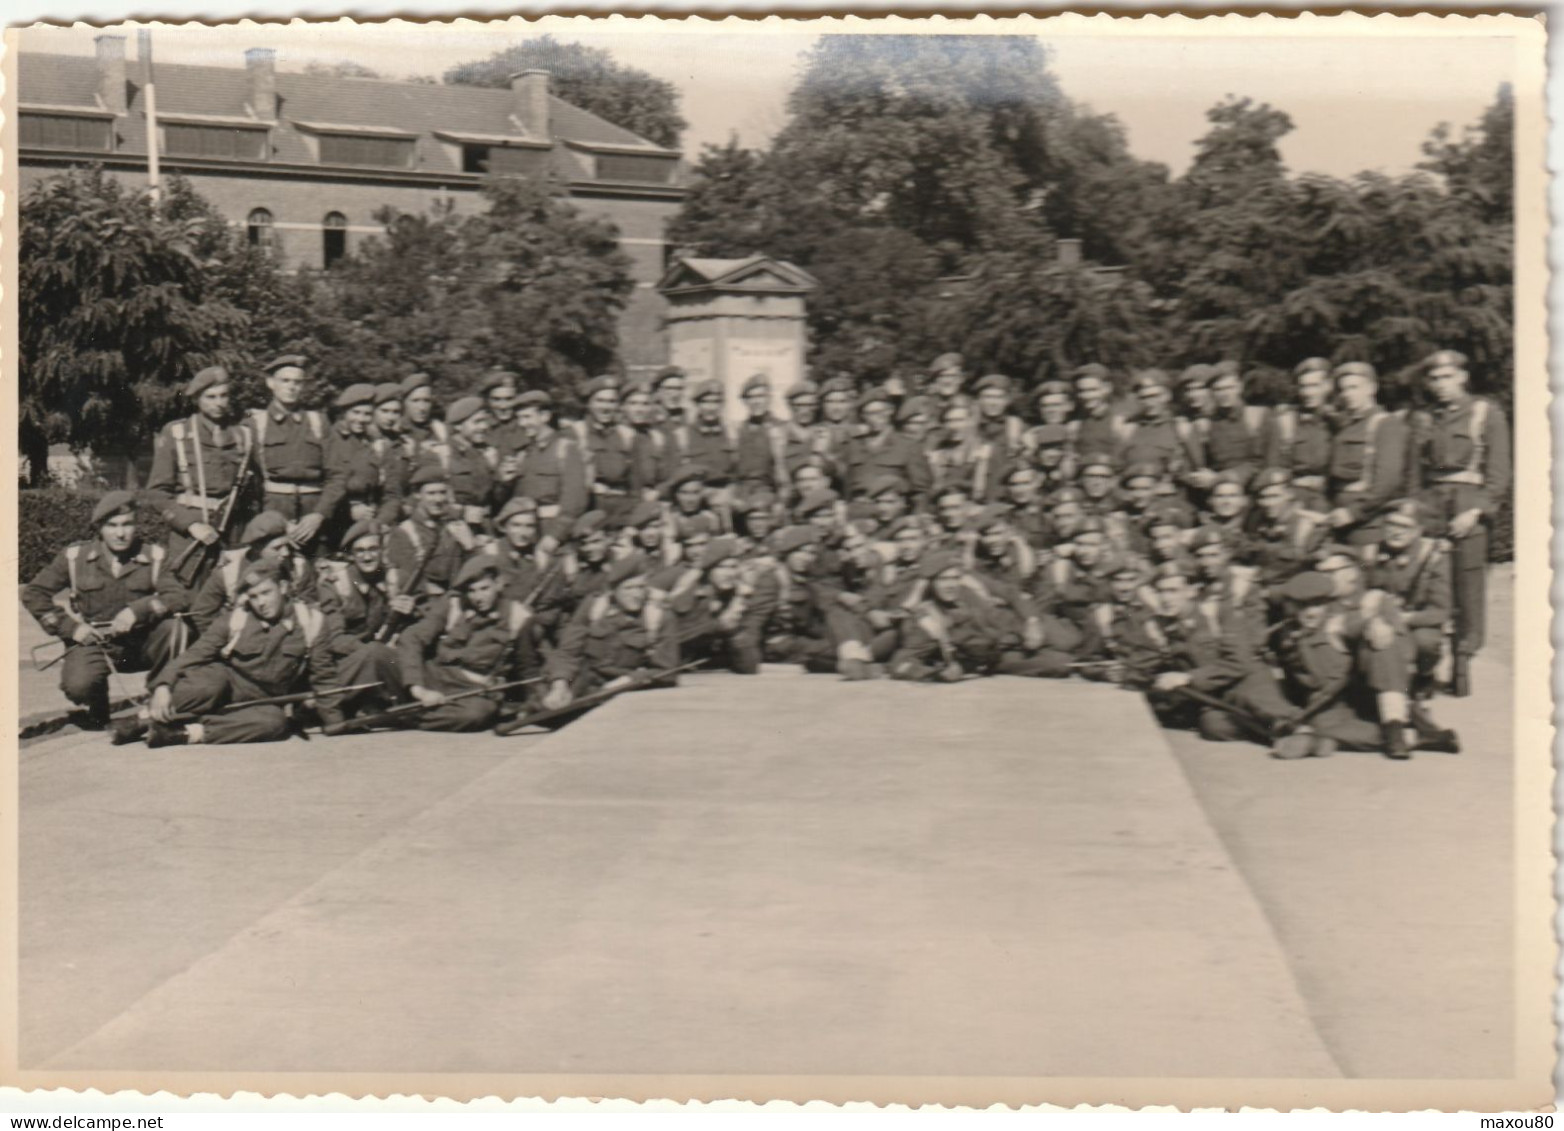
x=41, y=130
x=364, y=146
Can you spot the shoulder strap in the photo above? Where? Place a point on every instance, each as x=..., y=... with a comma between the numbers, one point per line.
x=157, y=554
x=72, y=552
x=236, y=622
x=258, y=417
x=316, y=422
x=1254, y=419
x=310, y=620
x=1286, y=427
x=176, y=433
x=453, y=613
x=232, y=568
x=598, y=609
x=1479, y=434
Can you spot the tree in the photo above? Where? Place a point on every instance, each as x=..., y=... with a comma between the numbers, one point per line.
x=588, y=77
x=1480, y=167
x=117, y=311
x=729, y=210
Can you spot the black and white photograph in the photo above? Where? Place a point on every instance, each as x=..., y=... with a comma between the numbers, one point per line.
x=922, y=560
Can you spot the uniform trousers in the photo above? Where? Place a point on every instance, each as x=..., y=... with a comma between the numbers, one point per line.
x=85, y=671
x=476, y=712
x=1468, y=564
x=372, y=661
x=1257, y=694
x=203, y=690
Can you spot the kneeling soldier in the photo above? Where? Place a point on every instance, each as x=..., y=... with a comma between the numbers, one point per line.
x=1416, y=571
x=719, y=616
x=615, y=638
x=269, y=646
x=112, y=601
x=265, y=535
x=353, y=593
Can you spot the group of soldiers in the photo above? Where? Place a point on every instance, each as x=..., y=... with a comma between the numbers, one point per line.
x=1288, y=575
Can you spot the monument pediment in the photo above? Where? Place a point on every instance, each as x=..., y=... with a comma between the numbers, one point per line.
x=756, y=273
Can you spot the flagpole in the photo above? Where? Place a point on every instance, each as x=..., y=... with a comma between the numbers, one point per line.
x=149, y=104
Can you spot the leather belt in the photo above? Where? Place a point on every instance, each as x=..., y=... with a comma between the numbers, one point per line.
x=1465, y=478
x=273, y=487
x=472, y=676
x=548, y=510
x=200, y=502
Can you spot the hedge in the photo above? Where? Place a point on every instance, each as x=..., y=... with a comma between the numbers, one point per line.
x=51, y=518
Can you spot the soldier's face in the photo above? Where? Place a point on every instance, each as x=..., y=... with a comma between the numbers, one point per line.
x=1446, y=383
x=1227, y=499
x=670, y=394
x=1313, y=387
x=1049, y=456
x=695, y=542
x=823, y=519
x=435, y=498
x=418, y=405
x=838, y=406
x=366, y=553
x=1197, y=399
x=1212, y=560
x=637, y=408
x=631, y=595
x=482, y=592
x=650, y=536
x=1400, y=532
x=521, y=530
x=1091, y=392
x=1345, y=578
x=1123, y=589
x=119, y=533
x=806, y=410
x=266, y=598
x=1173, y=596
x=280, y=547
x=889, y=506
x=955, y=420
x=952, y=509
x=800, y=560
x=1153, y=399
x=916, y=426
x=1164, y=540
x=1096, y=482
x=709, y=409
x=388, y=416
x=530, y=417
x=502, y=402
x=947, y=586
x=213, y=403
x=1139, y=491
x=757, y=401
x=807, y=479
x=358, y=418
x=475, y=429
x=1054, y=408
x=995, y=537
x=877, y=415
x=1022, y=489
x=948, y=382
x=725, y=575
x=1067, y=516
x=1273, y=500
x=909, y=544
x=1311, y=616
x=1355, y=392
x=759, y=523
x=690, y=496
x=993, y=402
x=604, y=406
x=287, y=385
x=594, y=546
x=1088, y=548
x=1227, y=391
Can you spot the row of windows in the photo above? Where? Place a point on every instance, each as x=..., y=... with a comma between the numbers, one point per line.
x=259, y=230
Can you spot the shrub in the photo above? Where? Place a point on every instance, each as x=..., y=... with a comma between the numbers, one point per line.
x=51, y=518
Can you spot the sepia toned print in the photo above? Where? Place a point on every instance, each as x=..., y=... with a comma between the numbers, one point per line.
x=965, y=561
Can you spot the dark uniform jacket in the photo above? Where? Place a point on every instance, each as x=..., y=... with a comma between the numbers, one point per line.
x=866, y=458
x=278, y=657
x=85, y=583
x=195, y=460
x=358, y=472
x=290, y=450
x=356, y=603
x=453, y=647
x=421, y=557
x=603, y=642
x=1418, y=576
x=1368, y=462
x=553, y=475
x=1467, y=446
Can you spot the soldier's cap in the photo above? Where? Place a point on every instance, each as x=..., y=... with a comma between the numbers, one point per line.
x=1141, y=470
x=711, y=387
x=369, y=528
x=760, y=499
x=644, y=514
x=1207, y=536
x=1312, y=365
x=1170, y=569
x=689, y=473
x=1051, y=435
x=267, y=567
x=1163, y=516
x=632, y=567
x=816, y=500
x=992, y=381
x=1017, y=471
x=1307, y=588
x=1271, y=477
x=1133, y=568
x=1227, y=367
x=113, y=503
x=906, y=522
x=1054, y=389
x=1149, y=379
x=497, y=379
x=837, y=384
x=414, y=381
x=1090, y=369
x=1197, y=374
x=874, y=394
x=386, y=392
x=803, y=390
x=475, y=567
x=1231, y=477
x=1442, y=359
x=666, y=374
x=1330, y=558
x=703, y=523
x=635, y=386
x=914, y=407
x=1355, y=369
x=286, y=361
x=886, y=484
x=1091, y=524
x=719, y=550
x=204, y=380
x=1066, y=495
x=989, y=516
x=1097, y=463
x=791, y=538
x=758, y=381
x=263, y=528
x=537, y=398
x=590, y=523
x=600, y=384
x=1407, y=511
x=358, y=393
x=462, y=408
x=521, y=504
x=946, y=361
x=936, y=562
x=428, y=471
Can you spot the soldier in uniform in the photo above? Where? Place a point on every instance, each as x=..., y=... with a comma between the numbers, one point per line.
x=195, y=461
x=668, y=388
x=354, y=596
x=1194, y=392
x=424, y=551
x=112, y=599
x=1461, y=461
x=1116, y=626
x=1283, y=536
x=915, y=420
x=947, y=383
x=836, y=413
x=1237, y=435
x=1301, y=433
x=290, y=448
x=719, y=617
x=651, y=452
x=265, y=535
x=1098, y=485
x=420, y=428
x=617, y=636
x=506, y=435
x=472, y=637
x=1416, y=571
x=1023, y=493
x=806, y=440
x=471, y=465
x=883, y=450
x=358, y=488
x=1227, y=510
x=585, y=562
x=608, y=448
x=1097, y=430
x=759, y=443
x=890, y=499
x=390, y=446
x=1154, y=435
x=1368, y=457
x=706, y=442
x=963, y=458
x=551, y=471
x=994, y=423
x=270, y=645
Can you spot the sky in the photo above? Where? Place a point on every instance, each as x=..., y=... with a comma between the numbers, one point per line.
x=1356, y=103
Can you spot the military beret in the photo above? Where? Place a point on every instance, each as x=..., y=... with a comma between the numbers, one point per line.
x=990, y=515
x=816, y=500
x=387, y=392
x=366, y=529
x=644, y=514
x=1227, y=367
x=479, y=565
x=1051, y=434
x=263, y=528
x=1333, y=557
x=1312, y=365
x=936, y=562
x=703, y=523
x=521, y=504
x=415, y=381
x=1171, y=569
x=462, y=408
x=590, y=523
x=286, y=361
x=1271, y=477
x=1355, y=369
x=1098, y=462
x=906, y=522
x=204, y=380
x=947, y=361
x=537, y=398
x=1140, y=470
x=1090, y=369
x=914, y=407
x=497, y=379
x=635, y=386
x=632, y=567
x=757, y=382
x=1197, y=374
x=428, y=471
x=1016, y=471
x=1054, y=389
x=711, y=387
x=268, y=567
x=1132, y=568
x=888, y=482
x=791, y=538
x=874, y=394
x=1149, y=379
x=803, y=389
x=1442, y=359
x=1066, y=495
x=1307, y=587
x=355, y=394
x=113, y=503
x=760, y=499
x=719, y=550
x=1409, y=510
x=1165, y=516
x=1231, y=477
x=1091, y=524
x=992, y=381
x=837, y=385
x=600, y=384
x=1207, y=536
x=666, y=374
x=689, y=473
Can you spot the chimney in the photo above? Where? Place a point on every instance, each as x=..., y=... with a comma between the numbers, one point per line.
x=530, y=89
x=261, y=63
x=111, y=72
x=1068, y=252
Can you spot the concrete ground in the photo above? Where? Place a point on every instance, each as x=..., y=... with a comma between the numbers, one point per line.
x=1003, y=878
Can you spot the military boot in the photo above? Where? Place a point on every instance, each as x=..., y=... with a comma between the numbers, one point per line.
x=1395, y=735
x=166, y=734
x=1461, y=676
x=132, y=728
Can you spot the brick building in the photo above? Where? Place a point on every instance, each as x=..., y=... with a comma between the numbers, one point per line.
x=303, y=161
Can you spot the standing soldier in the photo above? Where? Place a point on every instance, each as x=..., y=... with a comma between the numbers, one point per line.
x=1237, y=435
x=1301, y=433
x=354, y=596
x=470, y=463
x=195, y=463
x=995, y=423
x=423, y=553
x=1368, y=457
x=608, y=450
x=807, y=441
x=1097, y=430
x=883, y=450
x=706, y=441
x=358, y=488
x=1416, y=571
x=668, y=388
x=759, y=445
x=498, y=390
x=836, y=411
x=290, y=448
x=1282, y=536
x=947, y=382
x=419, y=426
x=551, y=471
x=1155, y=435
x=390, y=447
x=1461, y=460
x=1194, y=392
x=112, y=599
x=962, y=457
x=651, y=452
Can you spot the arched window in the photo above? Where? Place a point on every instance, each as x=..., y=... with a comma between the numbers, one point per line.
x=335, y=236
x=258, y=226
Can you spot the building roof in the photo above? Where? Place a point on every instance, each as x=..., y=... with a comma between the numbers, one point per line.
x=753, y=272
x=328, y=103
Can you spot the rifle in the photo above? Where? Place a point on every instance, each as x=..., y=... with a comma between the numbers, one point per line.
x=98, y=625
x=394, y=715
x=1254, y=724
x=384, y=633
x=521, y=722
x=274, y=701
x=224, y=518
